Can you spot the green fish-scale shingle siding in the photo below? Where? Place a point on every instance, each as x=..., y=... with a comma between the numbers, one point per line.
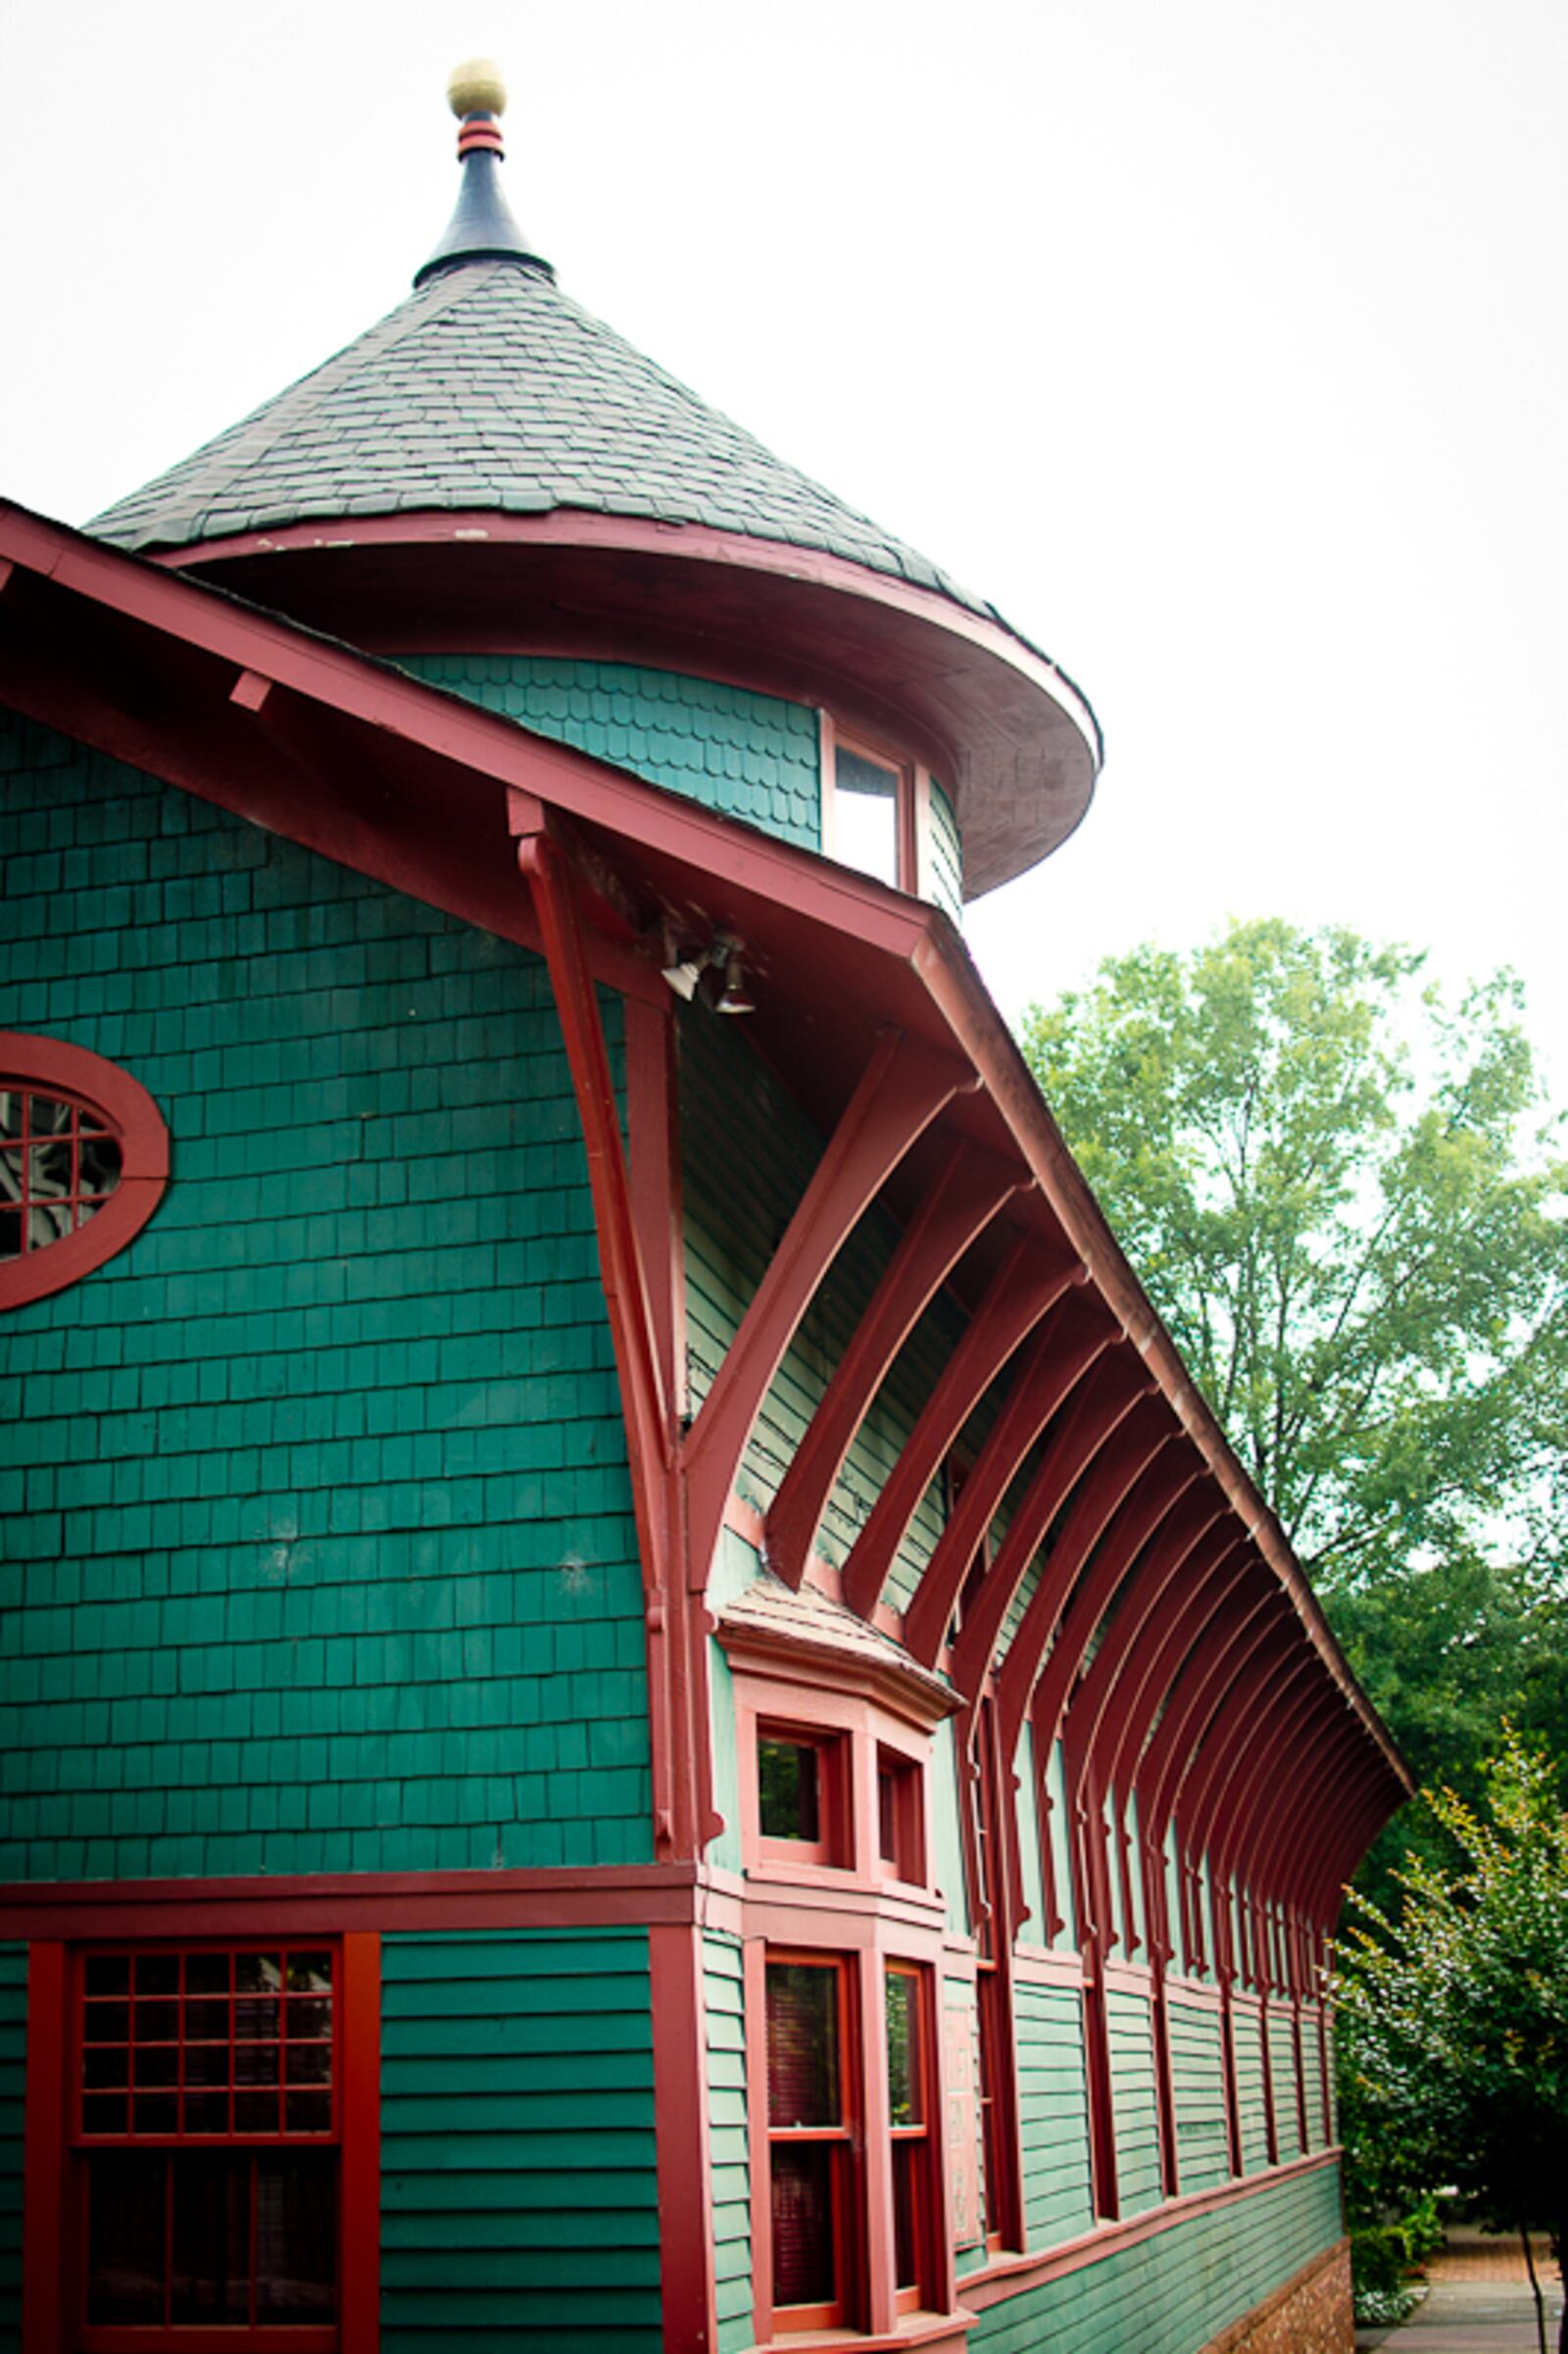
x=519, y=2206
x=1198, y=2082
x=749, y=756
x=729, y=2155
x=317, y=1550
x=13, y=2092
x=1053, y=2112
x=1178, y=2289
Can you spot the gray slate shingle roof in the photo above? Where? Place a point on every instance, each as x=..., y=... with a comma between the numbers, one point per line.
x=490, y=388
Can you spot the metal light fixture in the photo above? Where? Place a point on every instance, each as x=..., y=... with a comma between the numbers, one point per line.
x=736, y=997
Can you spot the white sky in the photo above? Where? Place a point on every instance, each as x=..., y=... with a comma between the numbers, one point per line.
x=1220, y=344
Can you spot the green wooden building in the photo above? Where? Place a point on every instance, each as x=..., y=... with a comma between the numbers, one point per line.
x=639, y=1707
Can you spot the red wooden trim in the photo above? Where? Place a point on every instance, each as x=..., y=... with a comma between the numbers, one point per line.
x=645, y=1407
x=1155, y=1510
x=1055, y=1359
x=52, y=1066
x=43, y=2248
x=1179, y=1593
x=967, y=1194
x=653, y=1136
x=681, y=2095
x=359, y=2269
x=1126, y=1437
x=1216, y=1662
x=901, y=1092
x=250, y=690
x=1026, y=1285
x=691, y=542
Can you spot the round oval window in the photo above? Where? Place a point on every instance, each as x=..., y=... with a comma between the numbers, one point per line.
x=84, y=1162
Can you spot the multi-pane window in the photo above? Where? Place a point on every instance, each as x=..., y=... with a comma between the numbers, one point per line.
x=910, y=2126
x=800, y=1795
x=205, y=2119
x=59, y=1164
x=809, y=2142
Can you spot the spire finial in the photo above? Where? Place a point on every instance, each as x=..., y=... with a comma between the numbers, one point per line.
x=482, y=228
x=476, y=88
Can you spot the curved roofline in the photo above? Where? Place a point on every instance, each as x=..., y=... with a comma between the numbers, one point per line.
x=1013, y=735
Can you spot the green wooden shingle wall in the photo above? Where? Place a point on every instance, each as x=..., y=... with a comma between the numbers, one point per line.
x=729, y=2158
x=1176, y=2291
x=519, y=2208
x=1053, y=2112
x=751, y=756
x=13, y=2091
x=946, y=855
x=315, y=1539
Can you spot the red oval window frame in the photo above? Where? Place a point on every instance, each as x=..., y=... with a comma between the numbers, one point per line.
x=49, y=1066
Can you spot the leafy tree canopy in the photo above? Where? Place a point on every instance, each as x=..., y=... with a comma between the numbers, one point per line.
x=1454, y=2015
x=1338, y=1195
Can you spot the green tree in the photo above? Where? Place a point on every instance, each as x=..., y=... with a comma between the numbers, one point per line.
x=1341, y=1197
x=1327, y=1182
x=1454, y=2015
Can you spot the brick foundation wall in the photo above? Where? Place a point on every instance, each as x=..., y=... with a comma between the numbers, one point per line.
x=1310, y=2315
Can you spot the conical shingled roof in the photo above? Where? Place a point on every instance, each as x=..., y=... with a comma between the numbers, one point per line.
x=489, y=388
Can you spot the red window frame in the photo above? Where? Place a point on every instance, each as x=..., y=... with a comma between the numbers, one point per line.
x=901, y=1817
x=60, y=2150
x=906, y=847
x=839, y=2137
x=122, y=1107
x=913, y=2162
x=831, y=1752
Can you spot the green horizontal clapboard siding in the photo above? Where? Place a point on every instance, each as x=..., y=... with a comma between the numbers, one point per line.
x=1282, y=2082
x=1198, y=2083
x=1180, y=2289
x=317, y=1551
x=1135, y=2099
x=731, y=1233
x=13, y=2092
x=1249, y=2101
x=751, y=756
x=729, y=2161
x=1053, y=2112
x=518, y=2188
x=1317, y=2124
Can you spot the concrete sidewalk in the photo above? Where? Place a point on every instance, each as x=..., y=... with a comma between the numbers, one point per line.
x=1479, y=2302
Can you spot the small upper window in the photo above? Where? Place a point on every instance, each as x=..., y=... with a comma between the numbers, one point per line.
x=83, y=1160
x=802, y=1796
x=871, y=812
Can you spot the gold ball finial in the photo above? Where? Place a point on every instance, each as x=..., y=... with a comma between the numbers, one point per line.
x=476, y=88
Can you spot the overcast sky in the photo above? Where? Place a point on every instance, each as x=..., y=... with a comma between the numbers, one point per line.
x=1221, y=345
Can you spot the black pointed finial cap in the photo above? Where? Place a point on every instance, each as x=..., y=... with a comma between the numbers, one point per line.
x=481, y=228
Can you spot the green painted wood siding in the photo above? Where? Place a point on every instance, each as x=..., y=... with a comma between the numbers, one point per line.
x=1198, y=2082
x=1249, y=2105
x=315, y=1538
x=1175, y=2291
x=731, y=1231
x=728, y=2147
x=1135, y=2099
x=1053, y=2112
x=519, y=2205
x=751, y=756
x=946, y=855
x=1317, y=2124
x=13, y=2096
x=1282, y=2084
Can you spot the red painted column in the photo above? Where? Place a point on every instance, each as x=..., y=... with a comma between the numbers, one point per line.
x=680, y=2103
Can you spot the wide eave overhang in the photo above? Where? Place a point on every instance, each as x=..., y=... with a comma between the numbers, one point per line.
x=357, y=761
x=995, y=720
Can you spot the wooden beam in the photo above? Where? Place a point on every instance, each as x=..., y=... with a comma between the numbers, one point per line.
x=901, y=1092
x=970, y=1189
